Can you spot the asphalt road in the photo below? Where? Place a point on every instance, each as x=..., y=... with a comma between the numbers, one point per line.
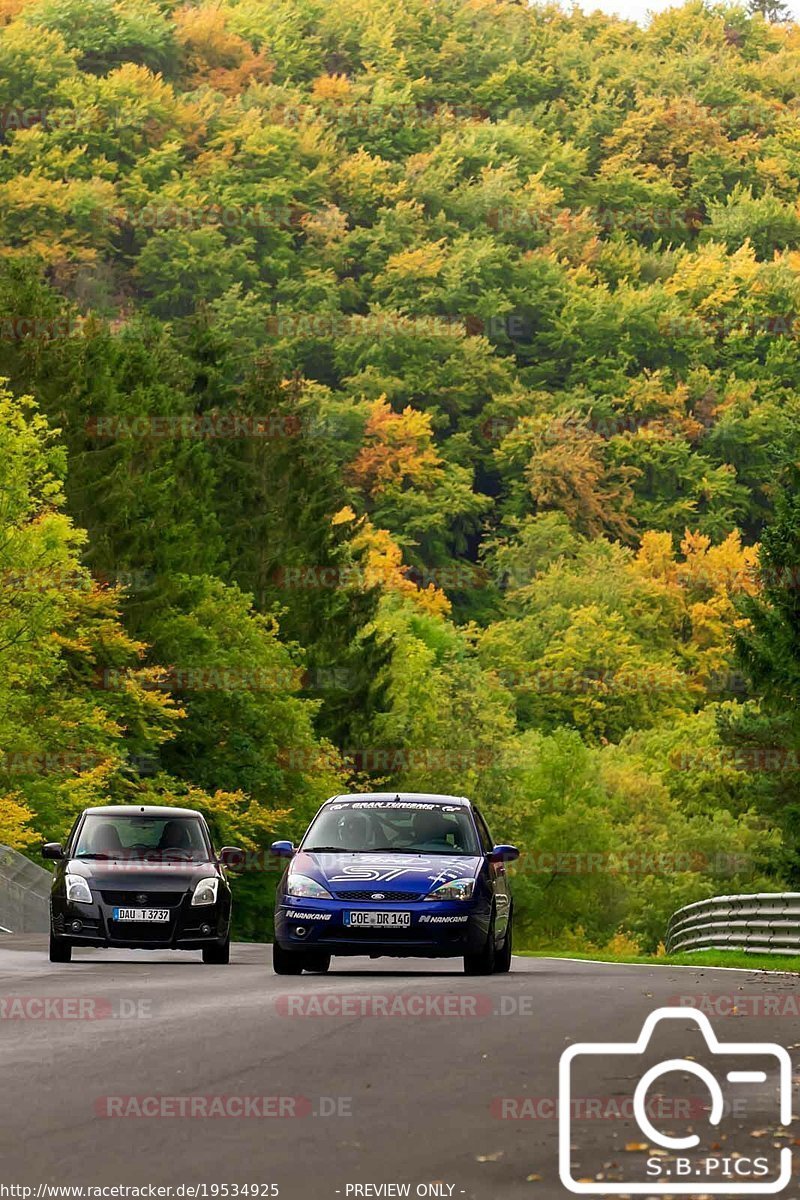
x=456, y=1089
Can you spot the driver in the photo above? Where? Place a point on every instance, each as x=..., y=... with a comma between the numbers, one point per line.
x=352, y=830
x=429, y=832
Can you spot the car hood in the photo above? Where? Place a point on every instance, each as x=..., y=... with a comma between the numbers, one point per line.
x=412, y=873
x=122, y=875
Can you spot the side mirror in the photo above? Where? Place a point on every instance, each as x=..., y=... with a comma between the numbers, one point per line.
x=52, y=850
x=232, y=856
x=282, y=849
x=503, y=854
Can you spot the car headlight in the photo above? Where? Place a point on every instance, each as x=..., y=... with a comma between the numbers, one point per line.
x=77, y=889
x=206, y=891
x=455, y=889
x=301, y=885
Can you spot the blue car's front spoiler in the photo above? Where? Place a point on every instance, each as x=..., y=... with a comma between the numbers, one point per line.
x=436, y=929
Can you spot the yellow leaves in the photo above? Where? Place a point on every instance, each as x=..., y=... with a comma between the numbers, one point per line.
x=343, y=516
x=331, y=87
x=368, y=179
x=15, y=817
x=398, y=449
x=704, y=582
x=325, y=226
x=214, y=54
x=567, y=471
x=712, y=277
x=421, y=262
x=655, y=557
x=729, y=568
x=383, y=568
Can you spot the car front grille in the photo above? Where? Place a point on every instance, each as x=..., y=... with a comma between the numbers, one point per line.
x=152, y=899
x=405, y=897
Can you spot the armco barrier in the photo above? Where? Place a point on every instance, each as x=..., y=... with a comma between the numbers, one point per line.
x=764, y=923
x=24, y=894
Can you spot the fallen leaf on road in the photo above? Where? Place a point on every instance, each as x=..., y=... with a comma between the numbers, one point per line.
x=636, y=1145
x=489, y=1157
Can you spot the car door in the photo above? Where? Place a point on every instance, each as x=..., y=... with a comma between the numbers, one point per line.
x=498, y=878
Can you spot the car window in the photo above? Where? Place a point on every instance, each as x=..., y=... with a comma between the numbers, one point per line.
x=487, y=844
x=135, y=836
x=392, y=826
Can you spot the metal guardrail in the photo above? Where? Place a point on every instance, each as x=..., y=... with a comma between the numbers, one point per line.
x=24, y=894
x=764, y=923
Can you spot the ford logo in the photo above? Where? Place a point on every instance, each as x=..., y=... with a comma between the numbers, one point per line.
x=377, y=896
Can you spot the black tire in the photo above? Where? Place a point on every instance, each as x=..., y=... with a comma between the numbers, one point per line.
x=60, y=949
x=482, y=962
x=287, y=962
x=318, y=962
x=502, y=961
x=219, y=953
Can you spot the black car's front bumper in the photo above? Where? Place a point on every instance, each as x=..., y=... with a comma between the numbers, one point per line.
x=188, y=928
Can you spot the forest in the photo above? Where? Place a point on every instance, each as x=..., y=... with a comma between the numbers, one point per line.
x=406, y=395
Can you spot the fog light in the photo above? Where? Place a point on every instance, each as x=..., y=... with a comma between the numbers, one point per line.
x=300, y=931
x=205, y=929
x=77, y=926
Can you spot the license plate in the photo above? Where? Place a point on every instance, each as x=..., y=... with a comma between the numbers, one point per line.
x=377, y=920
x=141, y=914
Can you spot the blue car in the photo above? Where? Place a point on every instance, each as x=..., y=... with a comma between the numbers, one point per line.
x=402, y=875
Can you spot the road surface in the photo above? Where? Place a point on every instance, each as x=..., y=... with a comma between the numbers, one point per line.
x=137, y=1068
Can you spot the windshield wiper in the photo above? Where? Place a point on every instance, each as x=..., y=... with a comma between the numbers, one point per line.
x=331, y=850
x=90, y=855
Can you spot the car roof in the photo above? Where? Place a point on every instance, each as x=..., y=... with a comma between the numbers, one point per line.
x=414, y=797
x=142, y=810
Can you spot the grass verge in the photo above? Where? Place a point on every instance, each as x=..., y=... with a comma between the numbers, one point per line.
x=703, y=958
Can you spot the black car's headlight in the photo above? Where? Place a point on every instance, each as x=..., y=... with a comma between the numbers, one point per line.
x=77, y=889
x=305, y=887
x=455, y=889
x=206, y=891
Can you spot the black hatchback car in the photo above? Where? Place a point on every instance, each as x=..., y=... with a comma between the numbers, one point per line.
x=143, y=877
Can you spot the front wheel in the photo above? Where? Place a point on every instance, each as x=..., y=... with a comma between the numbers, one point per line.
x=287, y=962
x=482, y=962
x=219, y=953
x=60, y=949
x=502, y=962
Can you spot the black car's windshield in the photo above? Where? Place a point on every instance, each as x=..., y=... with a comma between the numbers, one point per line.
x=392, y=827
x=132, y=836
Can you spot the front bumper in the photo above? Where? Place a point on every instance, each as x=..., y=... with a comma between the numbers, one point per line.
x=437, y=929
x=187, y=928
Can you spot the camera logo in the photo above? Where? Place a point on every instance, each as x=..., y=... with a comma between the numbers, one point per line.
x=679, y=1164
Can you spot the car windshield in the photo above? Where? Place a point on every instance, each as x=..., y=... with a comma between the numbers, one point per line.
x=142, y=836
x=392, y=827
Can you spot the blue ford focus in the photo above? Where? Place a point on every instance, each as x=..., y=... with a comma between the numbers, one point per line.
x=402, y=875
